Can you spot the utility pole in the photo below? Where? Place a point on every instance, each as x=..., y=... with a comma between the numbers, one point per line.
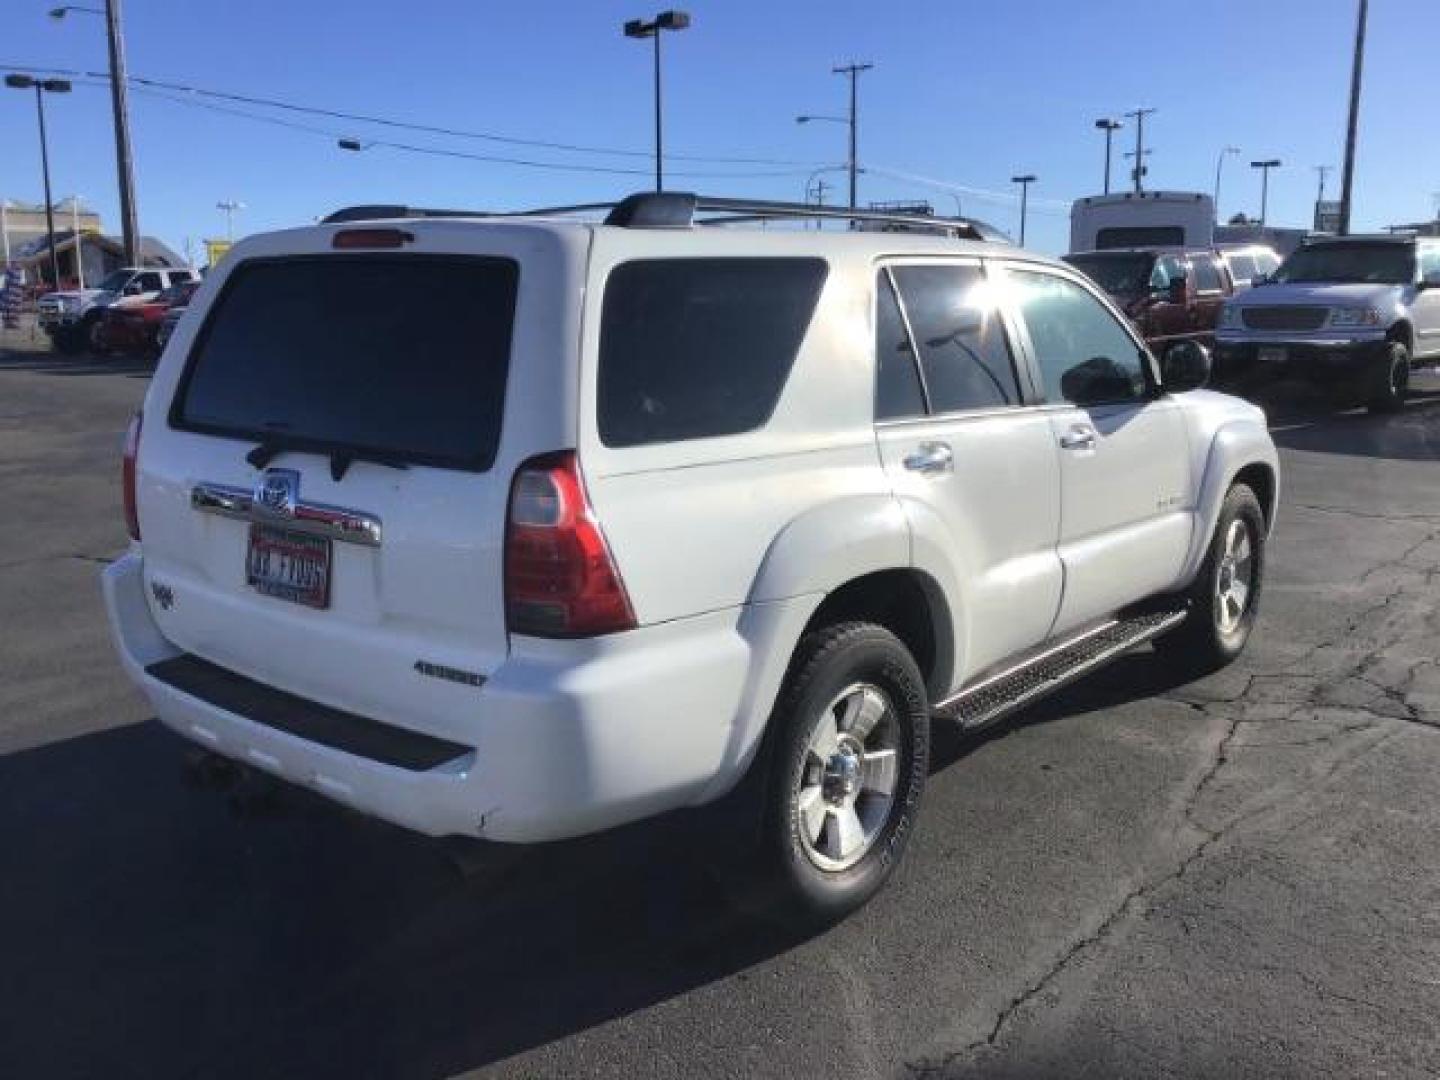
x=852, y=70
x=1109, y=126
x=124, y=162
x=1347, y=180
x=820, y=188
x=228, y=208
x=1322, y=171
x=1139, y=115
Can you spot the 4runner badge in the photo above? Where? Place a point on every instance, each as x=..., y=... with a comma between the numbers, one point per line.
x=277, y=491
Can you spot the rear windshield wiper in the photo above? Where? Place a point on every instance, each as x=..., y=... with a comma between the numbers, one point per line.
x=341, y=457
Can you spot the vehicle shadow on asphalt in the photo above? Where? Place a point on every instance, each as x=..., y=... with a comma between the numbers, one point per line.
x=1301, y=417
x=148, y=929
x=48, y=363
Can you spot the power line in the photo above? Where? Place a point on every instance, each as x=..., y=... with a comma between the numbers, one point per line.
x=436, y=151
x=382, y=121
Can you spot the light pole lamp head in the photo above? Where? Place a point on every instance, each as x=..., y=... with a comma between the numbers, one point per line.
x=1107, y=124
x=673, y=20
x=19, y=82
x=1269, y=163
x=1028, y=178
x=350, y=144
x=638, y=28
x=56, y=86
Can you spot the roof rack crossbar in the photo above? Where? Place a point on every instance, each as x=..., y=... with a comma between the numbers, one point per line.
x=678, y=210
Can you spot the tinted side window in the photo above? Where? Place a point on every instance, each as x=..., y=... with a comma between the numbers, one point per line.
x=1167, y=269
x=694, y=348
x=963, y=351
x=897, y=382
x=1085, y=355
x=1429, y=262
x=1207, y=274
x=1242, y=268
x=150, y=282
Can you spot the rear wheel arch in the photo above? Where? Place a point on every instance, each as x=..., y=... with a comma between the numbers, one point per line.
x=907, y=602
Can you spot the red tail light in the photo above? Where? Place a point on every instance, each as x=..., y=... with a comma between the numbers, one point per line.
x=127, y=476
x=560, y=579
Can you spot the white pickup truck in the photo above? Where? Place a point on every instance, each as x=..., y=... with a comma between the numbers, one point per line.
x=665, y=510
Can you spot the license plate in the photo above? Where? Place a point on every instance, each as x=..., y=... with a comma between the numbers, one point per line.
x=289, y=565
x=1271, y=356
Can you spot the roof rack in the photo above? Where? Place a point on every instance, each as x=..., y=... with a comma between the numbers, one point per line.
x=679, y=210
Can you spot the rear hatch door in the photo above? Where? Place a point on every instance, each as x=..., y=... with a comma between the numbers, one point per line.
x=323, y=472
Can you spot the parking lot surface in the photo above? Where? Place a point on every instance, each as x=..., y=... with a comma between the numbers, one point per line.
x=1138, y=877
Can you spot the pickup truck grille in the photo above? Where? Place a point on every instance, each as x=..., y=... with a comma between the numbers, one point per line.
x=1284, y=318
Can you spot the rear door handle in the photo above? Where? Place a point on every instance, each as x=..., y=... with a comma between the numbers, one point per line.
x=1078, y=437
x=931, y=458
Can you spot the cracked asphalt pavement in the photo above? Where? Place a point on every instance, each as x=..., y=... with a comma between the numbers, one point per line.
x=1233, y=877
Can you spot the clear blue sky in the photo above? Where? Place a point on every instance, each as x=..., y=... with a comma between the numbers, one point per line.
x=963, y=91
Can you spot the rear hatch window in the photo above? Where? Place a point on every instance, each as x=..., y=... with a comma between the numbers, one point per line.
x=398, y=358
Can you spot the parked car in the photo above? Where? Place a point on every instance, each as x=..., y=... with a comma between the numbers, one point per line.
x=1171, y=294
x=1246, y=262
x=70, y=317
x=1354, y=314
x=132, y=325
x=445, y=571
x=173, y=314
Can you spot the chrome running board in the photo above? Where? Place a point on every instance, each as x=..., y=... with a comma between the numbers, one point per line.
x=996, y=696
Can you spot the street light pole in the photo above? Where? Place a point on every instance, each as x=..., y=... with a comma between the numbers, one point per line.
x=852, y=70
x=1265, y=167
x=640, y=29
x=1109, y=126
x=41, y=88
x=1024, y=182
x=1139, y=115
x=1219, y=163
x=1347, y=178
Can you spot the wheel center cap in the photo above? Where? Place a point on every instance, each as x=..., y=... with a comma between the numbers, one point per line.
x=842, y=775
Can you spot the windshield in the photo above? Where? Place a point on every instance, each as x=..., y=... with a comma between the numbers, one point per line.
x=328, y=353
x=114, y=281
x=1118, y=275
x=1377, y=264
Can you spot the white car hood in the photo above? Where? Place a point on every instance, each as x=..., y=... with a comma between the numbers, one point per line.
x=1319, y=295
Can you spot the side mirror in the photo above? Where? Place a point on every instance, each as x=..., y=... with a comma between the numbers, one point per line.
x=1176, y=293
x=1185, y=366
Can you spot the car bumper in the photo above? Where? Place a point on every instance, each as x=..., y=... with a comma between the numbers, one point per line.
x=1331, y=359
x=565, y=737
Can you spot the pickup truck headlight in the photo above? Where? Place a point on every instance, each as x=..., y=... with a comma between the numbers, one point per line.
x=1229, y=317
x=1354, y=316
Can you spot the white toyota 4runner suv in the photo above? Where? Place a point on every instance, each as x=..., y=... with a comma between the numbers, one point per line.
x=664, y=510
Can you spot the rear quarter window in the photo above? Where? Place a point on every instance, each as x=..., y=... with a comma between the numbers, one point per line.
x=697, y=348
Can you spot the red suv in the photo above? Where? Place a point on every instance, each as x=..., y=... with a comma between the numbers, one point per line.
x=1170, y=294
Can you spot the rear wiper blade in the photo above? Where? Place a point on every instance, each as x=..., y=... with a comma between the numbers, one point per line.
x=341, y=460
x=341, y=457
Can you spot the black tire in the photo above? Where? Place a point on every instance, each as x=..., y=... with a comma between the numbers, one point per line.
x=67, y=340
x=1211, y=635
x=1390, y=381
x=830, y=662
x=89, y=326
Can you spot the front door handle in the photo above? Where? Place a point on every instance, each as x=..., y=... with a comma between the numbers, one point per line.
x=1079, y=437
x=931, y=458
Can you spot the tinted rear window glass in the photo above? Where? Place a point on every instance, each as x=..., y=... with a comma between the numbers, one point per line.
x=400, y=355
x=693, y=348
x=1124, y=236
